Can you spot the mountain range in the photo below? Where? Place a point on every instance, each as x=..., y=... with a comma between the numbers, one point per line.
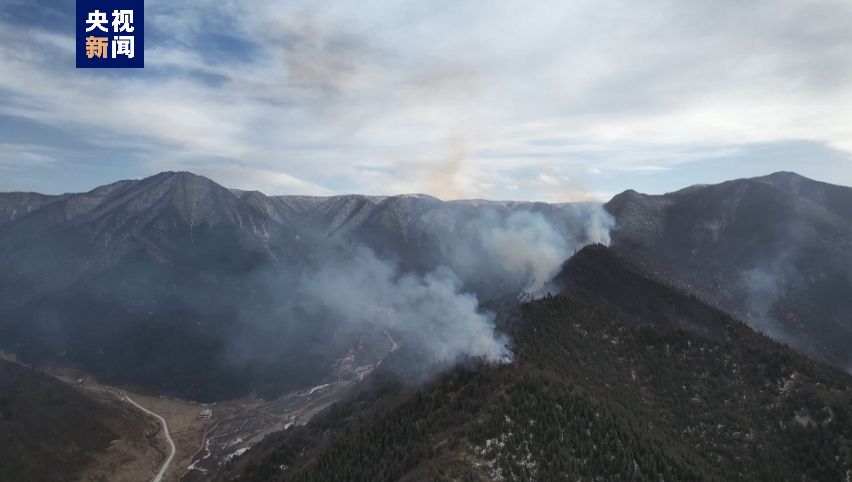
x=696, y=335
x=176, y=271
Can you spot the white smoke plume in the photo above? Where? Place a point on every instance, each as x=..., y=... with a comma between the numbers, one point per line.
x=490, y=254
x=533, y=245
x=598, y=226
x=526, y=244
x=428, y=309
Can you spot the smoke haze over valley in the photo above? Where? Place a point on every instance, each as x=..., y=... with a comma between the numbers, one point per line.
x=177, y=271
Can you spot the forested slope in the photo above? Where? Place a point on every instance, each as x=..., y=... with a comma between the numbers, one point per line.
x=590, y=396
x=49, y=431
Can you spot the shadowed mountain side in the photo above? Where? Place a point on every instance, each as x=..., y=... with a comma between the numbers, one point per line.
x=774, y=251
x=49, y=431
x=835, y=199
x=16, y=204
x=598, y=277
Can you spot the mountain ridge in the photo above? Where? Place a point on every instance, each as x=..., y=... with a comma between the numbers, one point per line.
x=775, y=251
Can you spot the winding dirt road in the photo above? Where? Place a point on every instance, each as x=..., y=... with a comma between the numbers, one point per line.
x=159, y=476
x=391, y=339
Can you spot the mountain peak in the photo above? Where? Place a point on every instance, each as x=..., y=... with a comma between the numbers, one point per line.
x=787, y=175
x=178, y=175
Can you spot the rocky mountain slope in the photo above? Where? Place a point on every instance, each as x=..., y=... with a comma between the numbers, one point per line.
x=774, y=251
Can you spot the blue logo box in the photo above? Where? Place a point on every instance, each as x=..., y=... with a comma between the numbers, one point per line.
x=110, y=34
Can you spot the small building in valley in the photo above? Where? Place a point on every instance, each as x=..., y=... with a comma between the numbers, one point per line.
x=205, y=414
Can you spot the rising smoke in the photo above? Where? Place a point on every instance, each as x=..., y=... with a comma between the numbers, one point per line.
x=532, y=245
x=429, y=310
x=491, y=254
x=598, y=225
x=228, y=320
x=525, y=244
x=765, y=287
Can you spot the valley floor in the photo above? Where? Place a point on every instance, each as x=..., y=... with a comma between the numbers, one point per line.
x=197, y=449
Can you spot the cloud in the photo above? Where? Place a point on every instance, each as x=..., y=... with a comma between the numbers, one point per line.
x=447, y=100
x=239, y=176
x=548, y=180
x=17, y=156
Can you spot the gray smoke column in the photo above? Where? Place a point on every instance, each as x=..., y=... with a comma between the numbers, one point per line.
x=598, y=225
x=526, y=244
x=436, y=308
x=764, y=286
x=427, y=309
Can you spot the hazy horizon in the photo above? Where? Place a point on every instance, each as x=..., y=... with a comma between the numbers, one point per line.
x=590, y=199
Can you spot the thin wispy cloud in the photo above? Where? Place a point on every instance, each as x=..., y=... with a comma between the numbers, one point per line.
x=487, y=99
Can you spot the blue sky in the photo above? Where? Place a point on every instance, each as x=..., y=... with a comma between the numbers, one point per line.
x=546, y=100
